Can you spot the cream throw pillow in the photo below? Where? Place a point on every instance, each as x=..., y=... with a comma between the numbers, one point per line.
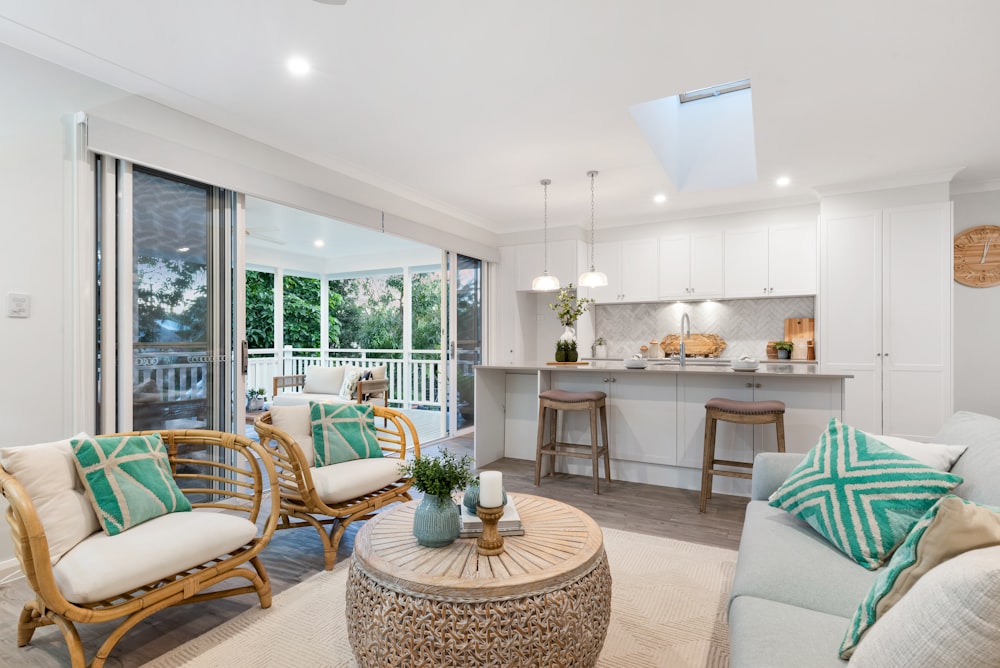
x=939, y=455
x=47, y=472
x=951, y=617
x=296, y=422
x=324, y=379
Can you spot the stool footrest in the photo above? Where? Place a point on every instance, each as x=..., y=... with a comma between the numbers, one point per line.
x=571, y=450
x=725, y=462
x=731, y=474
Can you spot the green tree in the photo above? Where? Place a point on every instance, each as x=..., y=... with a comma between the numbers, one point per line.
x=260, y=309
x=426, y=304
x=301, y=312
x=169, y=291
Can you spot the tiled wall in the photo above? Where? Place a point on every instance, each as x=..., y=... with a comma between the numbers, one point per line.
x=746, y=325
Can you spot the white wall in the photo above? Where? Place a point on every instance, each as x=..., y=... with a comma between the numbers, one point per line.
x=977, y=319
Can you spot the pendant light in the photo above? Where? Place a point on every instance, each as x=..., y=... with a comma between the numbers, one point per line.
x=545, y=283
x=592, y=279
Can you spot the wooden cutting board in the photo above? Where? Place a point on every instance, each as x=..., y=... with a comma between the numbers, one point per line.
x=709, y=345
x=802, y=328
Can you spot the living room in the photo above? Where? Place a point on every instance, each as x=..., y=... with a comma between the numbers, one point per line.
x=930, y=62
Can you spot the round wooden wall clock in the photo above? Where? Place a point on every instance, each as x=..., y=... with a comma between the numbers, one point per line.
x=977, y=256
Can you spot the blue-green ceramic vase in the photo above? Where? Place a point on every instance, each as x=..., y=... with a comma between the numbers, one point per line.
x=436, y=521
x=471, y=498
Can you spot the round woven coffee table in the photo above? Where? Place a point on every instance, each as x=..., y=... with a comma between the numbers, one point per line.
x=545, y=601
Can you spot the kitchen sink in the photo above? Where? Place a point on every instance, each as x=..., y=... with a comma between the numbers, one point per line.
x=695, y=361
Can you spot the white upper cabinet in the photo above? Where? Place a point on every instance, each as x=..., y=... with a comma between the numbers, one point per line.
x=690, y=266
x=769, y=262
x=530, y=262
x=631, y=270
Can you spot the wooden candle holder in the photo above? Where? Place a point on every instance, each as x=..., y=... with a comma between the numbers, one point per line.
x=490, y=543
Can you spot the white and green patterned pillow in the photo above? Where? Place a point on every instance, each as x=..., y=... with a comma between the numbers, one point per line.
x=128, y=480
x=343, y=432
x=951, y=527
x=860, y=494
x=352, y=375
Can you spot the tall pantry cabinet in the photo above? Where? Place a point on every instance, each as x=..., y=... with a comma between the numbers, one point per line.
x=885, y=315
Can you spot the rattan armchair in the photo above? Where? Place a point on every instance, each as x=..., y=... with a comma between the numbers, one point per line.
x=217, y=472
x=301, y=504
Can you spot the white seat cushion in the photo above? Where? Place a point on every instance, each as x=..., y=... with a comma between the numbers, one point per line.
x=47, y=472
x=102, y=566
x=303, y=398
x=349, y=480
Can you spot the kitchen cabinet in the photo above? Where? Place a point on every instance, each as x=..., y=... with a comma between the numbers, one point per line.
x=809, y=405
x=776, y=261
x=631, y=270
x=639, y=429
x=690, y=266
x=529, y=260
x=885, y=316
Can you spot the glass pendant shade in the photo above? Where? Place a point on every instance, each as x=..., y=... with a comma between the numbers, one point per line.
x=592, y=279
x=545, y=283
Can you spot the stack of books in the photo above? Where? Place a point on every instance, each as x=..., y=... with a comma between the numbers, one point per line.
x=509, y=524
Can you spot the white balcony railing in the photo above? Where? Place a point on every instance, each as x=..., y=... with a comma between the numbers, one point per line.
x=416, y=377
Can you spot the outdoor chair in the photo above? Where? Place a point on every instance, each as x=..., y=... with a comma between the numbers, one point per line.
x=329, y=498
x=81, y=574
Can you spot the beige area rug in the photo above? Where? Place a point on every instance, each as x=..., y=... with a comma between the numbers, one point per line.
x=668, y=608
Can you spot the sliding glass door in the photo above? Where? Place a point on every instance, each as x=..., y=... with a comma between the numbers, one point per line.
x=465, y=310
x=169, y=316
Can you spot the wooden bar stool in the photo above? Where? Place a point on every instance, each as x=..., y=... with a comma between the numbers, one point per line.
x=740, y=412
x=553, y=401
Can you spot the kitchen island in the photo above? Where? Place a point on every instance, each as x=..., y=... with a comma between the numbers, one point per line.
x=656, y=415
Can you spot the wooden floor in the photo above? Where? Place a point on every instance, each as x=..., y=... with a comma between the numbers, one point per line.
x=295, y=555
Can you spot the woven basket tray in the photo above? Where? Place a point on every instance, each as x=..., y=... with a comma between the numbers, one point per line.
x=709, y=345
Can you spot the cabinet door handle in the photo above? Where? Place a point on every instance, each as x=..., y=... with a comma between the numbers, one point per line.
x=605, y=380
x=765, y=291
x=749, y=384
x=757, y=385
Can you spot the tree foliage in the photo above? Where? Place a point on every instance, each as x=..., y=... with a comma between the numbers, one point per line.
x=170, y=300
x=260, y=309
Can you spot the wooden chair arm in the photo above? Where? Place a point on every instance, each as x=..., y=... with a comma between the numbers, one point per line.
x=296, y=382
x=373, y=386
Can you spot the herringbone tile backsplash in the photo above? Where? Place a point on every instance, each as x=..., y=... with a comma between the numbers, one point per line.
x=745, y=324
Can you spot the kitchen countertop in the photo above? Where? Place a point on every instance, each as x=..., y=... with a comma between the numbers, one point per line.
x=702, y=366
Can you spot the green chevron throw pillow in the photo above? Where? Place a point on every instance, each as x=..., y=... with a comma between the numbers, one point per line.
x=860, y=494
x=128, y=480
x=951, y=527
x=342, y=432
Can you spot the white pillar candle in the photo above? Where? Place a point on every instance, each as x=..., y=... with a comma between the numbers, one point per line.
x=491, y=489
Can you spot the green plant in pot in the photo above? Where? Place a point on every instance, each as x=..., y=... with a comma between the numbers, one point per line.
x=436, y=520
x=569, y=307
x=255, y=398
x=784, y=349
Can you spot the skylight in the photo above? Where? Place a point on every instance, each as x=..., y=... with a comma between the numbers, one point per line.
x=714, y=91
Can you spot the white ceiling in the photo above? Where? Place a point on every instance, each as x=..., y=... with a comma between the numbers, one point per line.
x=464, y=105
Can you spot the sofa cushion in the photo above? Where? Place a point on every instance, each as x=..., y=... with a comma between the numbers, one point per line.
x=104, y=566
x=980, y=465
x=342, y=432
x=297, y=423
x=47, y=472
x=952, y=526
x=767, y=634
x=352, y=375
x=323, y=379
x=860, y=494
x=951, y=617
x=128, y=479
x=941, y=456
x=349, y=480
x=783, y=559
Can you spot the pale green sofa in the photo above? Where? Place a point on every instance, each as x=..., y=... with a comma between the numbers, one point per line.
x=793, y=593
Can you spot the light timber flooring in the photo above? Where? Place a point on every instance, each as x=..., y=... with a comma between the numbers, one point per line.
x=293, y=556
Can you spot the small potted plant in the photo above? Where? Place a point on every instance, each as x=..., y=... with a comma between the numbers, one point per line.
x=255, y=398
x=784, y=349
x=436, y=519
x=600, y=348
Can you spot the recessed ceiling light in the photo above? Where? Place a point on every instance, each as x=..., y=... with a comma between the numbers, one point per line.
x=183, y=249
x=660, y=199
x=298, y=66
x=319, y=243
x=782, y=181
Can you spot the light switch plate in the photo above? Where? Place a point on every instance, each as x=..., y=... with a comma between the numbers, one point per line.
x=18, y=305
